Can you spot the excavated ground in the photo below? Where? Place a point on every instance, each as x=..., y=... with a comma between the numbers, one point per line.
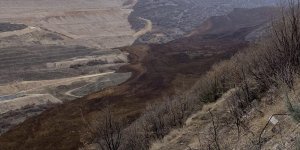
x=100, y=24
x=157, y=70
x=59, y=49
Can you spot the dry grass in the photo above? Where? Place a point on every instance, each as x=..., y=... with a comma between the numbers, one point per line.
x=197, y=132
x=252, y=73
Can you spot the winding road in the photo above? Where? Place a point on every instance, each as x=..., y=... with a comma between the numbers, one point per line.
x=146, y=29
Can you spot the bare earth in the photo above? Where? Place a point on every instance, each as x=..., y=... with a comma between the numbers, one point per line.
x=101, y=23
x=157, y=70
x=63, y=53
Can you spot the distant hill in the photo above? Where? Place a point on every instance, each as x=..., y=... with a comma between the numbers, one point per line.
x=238, y=18
x=174, y=18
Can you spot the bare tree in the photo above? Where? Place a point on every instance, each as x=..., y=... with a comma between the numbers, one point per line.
x=215, y=131
x=285, y=58
x=106, y=131
x=155, y=120
x=265, y=127
x=110, y=133
x=236, y=114
x=135, y=137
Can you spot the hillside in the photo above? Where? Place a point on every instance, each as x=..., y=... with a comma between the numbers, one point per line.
x=158, y=70
x=282, y=133
x=173, y=19
x=250, y=101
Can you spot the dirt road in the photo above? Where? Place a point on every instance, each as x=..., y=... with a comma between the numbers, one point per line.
x=146, y=29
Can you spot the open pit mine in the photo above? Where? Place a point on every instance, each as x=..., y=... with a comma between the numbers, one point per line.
x=59, y=50
x=61, y=56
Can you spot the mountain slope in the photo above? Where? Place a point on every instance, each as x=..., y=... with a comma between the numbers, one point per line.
x=173, y=19
x=157, y=69
x=282, y=133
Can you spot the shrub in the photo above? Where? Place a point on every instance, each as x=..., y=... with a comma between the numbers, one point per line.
x=106, y=131
x=293, y=109
x=268, y=63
